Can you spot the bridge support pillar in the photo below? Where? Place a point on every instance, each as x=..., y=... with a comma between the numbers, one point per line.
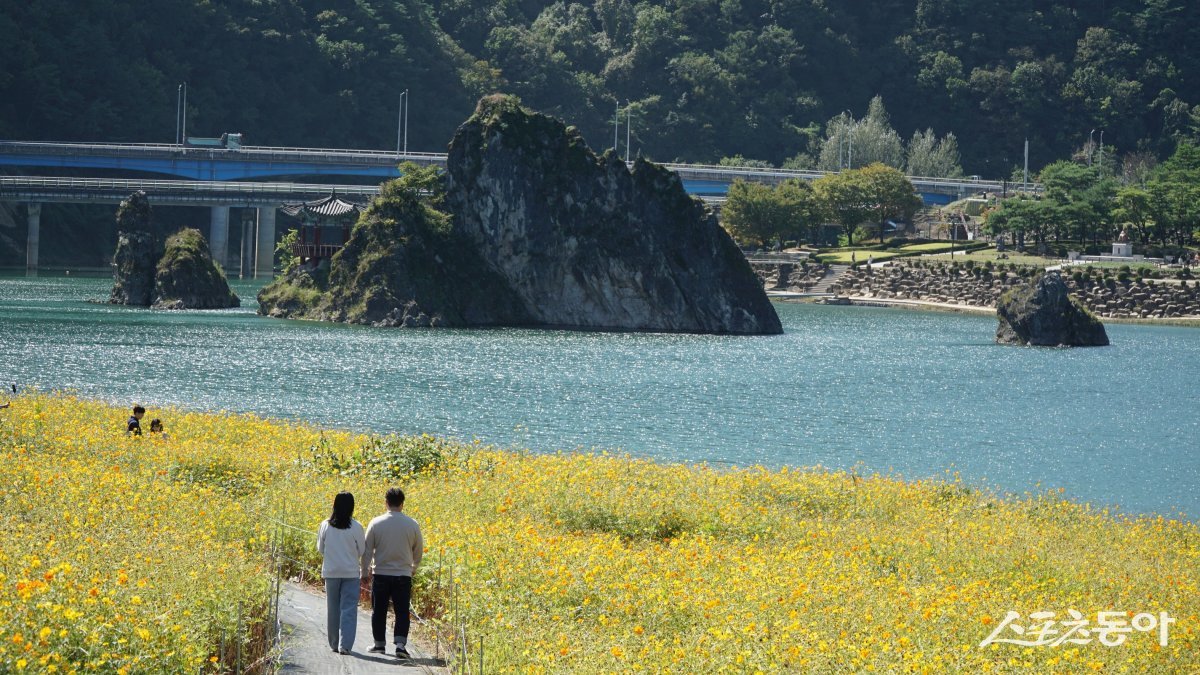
x=246, y=264
x=218, y=236
x=34, y=239
x=264, y=259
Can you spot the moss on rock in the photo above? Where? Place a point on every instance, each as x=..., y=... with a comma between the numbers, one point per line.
x=186, y=276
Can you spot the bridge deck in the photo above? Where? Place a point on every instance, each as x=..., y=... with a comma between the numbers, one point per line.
x=250, y=162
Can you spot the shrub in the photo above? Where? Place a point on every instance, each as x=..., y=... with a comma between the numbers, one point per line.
x=388, y=458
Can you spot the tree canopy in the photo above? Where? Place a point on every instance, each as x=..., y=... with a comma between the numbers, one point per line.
x=706, y=78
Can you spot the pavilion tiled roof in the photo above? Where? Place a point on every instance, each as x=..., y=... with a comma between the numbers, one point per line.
x=325, y=207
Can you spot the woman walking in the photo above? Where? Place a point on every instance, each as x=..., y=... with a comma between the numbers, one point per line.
x=341, y=541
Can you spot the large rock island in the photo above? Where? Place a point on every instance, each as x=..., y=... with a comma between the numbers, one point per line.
x=537, y=230
x=1044, y=314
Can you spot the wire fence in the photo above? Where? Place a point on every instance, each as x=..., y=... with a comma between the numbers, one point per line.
x=455, y=647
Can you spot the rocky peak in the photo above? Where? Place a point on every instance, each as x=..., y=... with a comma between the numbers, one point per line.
x=137, y=251
x=585, y=241
x=1044, y=314
x=186, y=276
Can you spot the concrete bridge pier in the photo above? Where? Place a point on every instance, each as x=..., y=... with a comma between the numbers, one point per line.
x=264, y=260
x=34, y=239
x=218, y=234
x=246, y=263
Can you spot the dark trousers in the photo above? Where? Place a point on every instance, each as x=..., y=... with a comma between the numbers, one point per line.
x=397, y=591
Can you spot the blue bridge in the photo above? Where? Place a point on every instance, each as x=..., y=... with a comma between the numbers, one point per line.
x=218, y=165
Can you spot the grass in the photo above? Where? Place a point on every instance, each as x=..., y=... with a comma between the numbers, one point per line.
x=991, y=255
x=132, y=554
x=860, y=256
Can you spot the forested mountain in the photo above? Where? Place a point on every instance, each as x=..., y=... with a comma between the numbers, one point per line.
x=704, y=79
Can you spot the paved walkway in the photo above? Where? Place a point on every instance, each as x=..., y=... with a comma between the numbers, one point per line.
x=306, y=648
x=919, y=304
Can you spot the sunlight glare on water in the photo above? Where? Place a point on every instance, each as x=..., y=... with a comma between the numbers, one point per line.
x=917, y=393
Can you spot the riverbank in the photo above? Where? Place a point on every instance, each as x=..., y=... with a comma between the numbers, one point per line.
x=1111, y=295
x=575, y=562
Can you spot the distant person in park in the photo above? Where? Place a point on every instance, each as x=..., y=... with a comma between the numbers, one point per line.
x=341, y=542
x=393, y=552
x=134, y=426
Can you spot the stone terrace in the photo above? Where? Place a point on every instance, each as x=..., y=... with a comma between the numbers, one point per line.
x=980, y=287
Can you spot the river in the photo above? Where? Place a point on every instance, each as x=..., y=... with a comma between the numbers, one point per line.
x=913, y=393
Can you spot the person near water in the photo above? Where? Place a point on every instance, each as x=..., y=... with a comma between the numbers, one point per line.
x=393, y=552
x=341, y=542
x=134, y=425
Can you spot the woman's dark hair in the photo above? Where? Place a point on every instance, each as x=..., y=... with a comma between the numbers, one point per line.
x=343, y=510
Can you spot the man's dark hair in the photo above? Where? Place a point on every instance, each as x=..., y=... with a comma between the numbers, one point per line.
x=138, y=409
x=394, y=497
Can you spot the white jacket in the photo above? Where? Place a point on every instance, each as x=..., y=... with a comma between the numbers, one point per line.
x=342, y=550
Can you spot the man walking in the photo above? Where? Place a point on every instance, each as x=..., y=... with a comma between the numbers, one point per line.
x=393, y=551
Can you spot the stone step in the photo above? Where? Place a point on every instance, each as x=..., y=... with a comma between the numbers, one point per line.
x=831, y=277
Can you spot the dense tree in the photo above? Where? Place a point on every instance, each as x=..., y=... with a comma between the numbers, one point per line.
x=929, y=156
x=851, y=143
x=709, y=78
x=890, y=195
x=1175, y=195
x=759, y=214
x=845, y=198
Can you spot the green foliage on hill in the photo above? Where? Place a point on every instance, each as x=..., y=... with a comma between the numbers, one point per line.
x=700, y=79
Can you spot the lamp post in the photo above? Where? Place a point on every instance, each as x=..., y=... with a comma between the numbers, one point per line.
x=402, y=122
x=1091, y=141
x=183, y=138
x=616, y=126
x=178, y=105
x=628, y=128
x=850, y=142
x=1101, y=151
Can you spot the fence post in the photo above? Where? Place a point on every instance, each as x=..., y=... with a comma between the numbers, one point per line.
x=237, y=636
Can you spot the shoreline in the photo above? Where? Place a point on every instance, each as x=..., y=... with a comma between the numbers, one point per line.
x=928, y=306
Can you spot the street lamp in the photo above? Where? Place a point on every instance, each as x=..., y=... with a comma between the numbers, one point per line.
x=850, y=138
x=402, y=121
x=1101, y=150
x=181, y=113
x=628, y=127
x=616, y=126
x=1091, y=144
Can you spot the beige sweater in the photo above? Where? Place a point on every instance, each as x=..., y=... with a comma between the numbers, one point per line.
x=393, y=545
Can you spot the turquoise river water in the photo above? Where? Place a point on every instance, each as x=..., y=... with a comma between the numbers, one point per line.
x=913, y=393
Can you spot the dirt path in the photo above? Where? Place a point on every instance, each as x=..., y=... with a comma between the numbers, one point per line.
x=306, y=649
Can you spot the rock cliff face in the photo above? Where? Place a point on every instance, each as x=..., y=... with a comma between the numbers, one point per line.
x=540, y=231
x=137, y=251
x=585, y=242
x=1043, y=314
x=187, y=278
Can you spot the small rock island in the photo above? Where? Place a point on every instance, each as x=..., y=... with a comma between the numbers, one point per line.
x=1043, y=314
x=183, y=276
x=528, y=227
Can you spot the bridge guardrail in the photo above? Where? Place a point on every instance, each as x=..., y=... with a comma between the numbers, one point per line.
x=255, y=151
x=377, y=157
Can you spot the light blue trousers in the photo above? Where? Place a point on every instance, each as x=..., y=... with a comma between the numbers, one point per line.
x=341, y=611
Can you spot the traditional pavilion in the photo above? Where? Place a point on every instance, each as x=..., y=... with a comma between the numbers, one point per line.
x=324, y=227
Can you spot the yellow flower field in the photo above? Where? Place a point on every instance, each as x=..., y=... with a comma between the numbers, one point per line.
x=137, y=555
